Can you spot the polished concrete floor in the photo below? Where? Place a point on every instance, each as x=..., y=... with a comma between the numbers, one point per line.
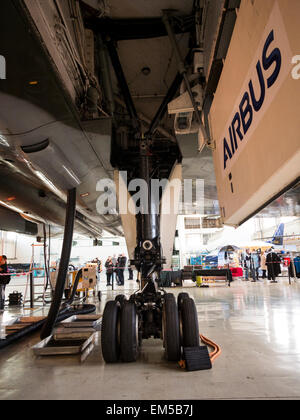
x=257, y=326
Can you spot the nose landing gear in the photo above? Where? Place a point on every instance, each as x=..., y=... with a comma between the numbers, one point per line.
x=146, y=314
x=150, y=312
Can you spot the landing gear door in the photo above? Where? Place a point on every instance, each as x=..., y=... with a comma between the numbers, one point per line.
x=127, y=217
x=255, y=112
x=169, y=211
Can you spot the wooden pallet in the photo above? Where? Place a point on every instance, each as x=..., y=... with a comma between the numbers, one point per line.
x=22, y=323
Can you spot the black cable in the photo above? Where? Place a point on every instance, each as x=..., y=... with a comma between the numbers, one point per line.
x=49, y=250
x=74, y=289
x=64, y=314
x=63, y=266
x=45, y=258
x=46, y=263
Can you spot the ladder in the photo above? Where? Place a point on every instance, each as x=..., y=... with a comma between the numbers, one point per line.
x=30, y=279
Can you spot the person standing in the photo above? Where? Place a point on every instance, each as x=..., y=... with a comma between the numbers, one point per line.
x=255, y=264
x=247, y=263
x=99, y=268
x=130, y=271
x=109, y=265
x=263, y=265
x=4, y=280
x=273, y=264
x=115, y=271
x=121, y=268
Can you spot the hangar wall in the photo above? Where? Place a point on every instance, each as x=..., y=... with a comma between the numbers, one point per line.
x=17, y=247
x=84, y=252
x=255, y=112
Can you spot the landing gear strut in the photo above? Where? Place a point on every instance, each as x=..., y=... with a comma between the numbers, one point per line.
x=149, y=312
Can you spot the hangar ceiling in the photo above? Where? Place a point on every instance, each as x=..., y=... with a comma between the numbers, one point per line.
x=52, y=53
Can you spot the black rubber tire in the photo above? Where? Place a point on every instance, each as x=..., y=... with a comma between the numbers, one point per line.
x=166, y=296
x=180, y=297
x=171, y=329
x=121, y=299
x=129, y=333
x=110, y=332
x=190, y=326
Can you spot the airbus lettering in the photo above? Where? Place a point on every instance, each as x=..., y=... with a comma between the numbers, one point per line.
x=252, y=100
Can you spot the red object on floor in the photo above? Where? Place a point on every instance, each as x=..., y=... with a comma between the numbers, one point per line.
x=236, y=271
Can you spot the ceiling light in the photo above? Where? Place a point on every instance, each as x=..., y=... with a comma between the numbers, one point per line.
x=72, y=175
x=146, y=71
x=2, y=203
x=47, y=182
x=3, y=141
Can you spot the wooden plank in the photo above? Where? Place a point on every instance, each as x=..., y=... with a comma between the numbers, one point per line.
x=31, y=319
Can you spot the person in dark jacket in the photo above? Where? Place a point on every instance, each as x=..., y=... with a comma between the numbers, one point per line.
x=255, y=264
x=121, y=268
x=130, y=271
x=247, y=264
x=115, y=271
x=109, y=265
x=4, y=280
x=273, y=264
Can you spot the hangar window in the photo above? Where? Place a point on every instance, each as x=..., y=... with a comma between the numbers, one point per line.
x=192, y=223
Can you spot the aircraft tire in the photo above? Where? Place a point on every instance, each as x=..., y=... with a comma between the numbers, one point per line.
x=180, y=298
x=121, y=299
x=189, y=322
x=129, y=332
x=110, y=332
x=171, y=330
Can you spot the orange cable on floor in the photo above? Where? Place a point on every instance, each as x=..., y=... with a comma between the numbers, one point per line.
x=217, y=349
x=213, y=355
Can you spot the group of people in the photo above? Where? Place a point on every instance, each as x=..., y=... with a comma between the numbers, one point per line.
x=268, y=262
x=4, y=280
x=115, y=267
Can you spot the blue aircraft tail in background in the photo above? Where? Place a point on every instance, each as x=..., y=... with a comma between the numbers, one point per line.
x=278, y=235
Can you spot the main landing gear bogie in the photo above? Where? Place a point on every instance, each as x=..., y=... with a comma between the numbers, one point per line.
x=126, y=322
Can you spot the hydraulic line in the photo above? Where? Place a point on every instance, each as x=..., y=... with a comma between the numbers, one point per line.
x=63, y=266
x=123, y=84
x=106, y=76
x=183, y=71
x=164, y=106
